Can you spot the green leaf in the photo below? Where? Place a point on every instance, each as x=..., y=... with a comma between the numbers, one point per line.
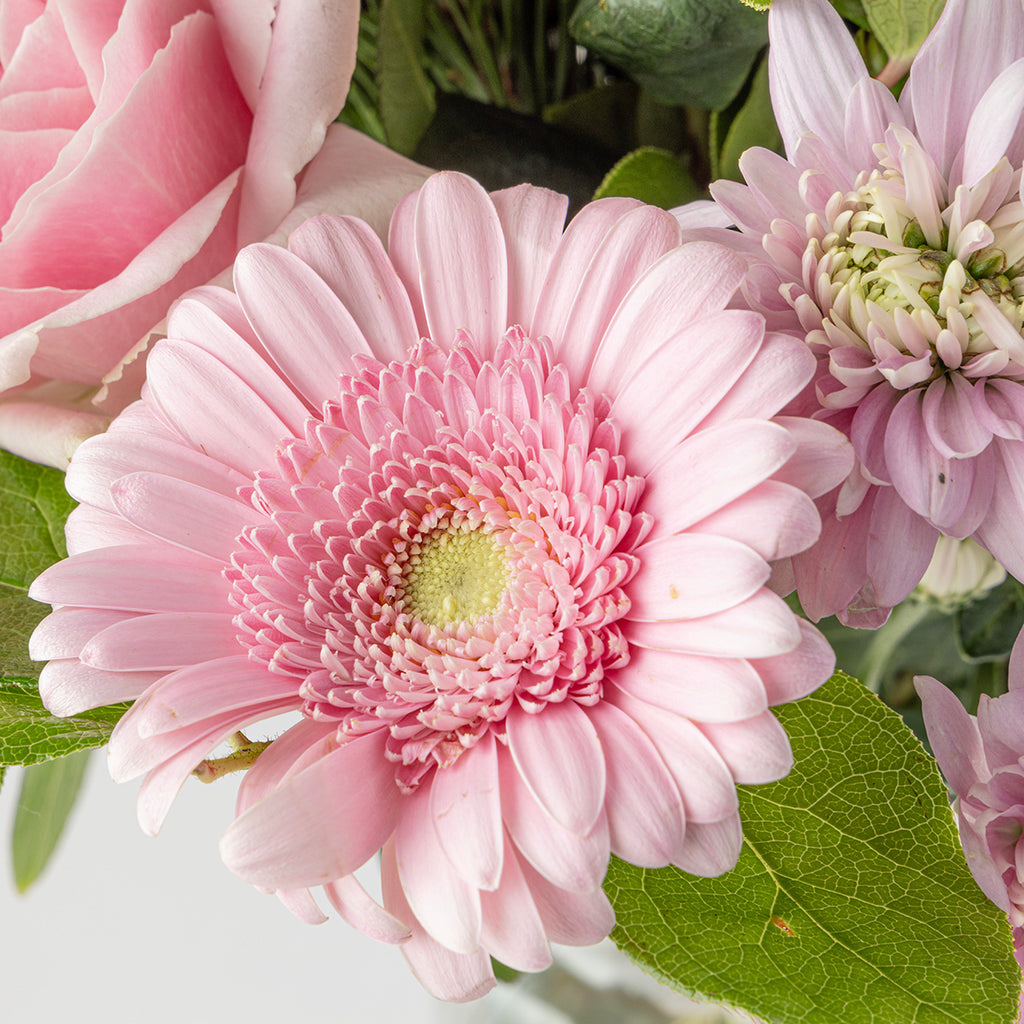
x=692, y=52
x=652, y=175
x=29, y=734
x=851, y=900
x=754, y=125
x=901, y=25
x=406, y=93
x=33, y=509
x=48, y=793
x=987, y=628
x=851, y=10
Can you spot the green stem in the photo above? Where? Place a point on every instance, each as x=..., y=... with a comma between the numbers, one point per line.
x=243, y=756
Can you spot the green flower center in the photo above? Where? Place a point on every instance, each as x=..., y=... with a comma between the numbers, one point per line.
x=456, y=575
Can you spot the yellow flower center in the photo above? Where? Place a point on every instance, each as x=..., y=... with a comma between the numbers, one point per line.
x=457, y=575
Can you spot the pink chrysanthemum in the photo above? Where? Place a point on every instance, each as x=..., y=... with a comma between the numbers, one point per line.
x=892, y=240
x=982, y=759
x=493, y=513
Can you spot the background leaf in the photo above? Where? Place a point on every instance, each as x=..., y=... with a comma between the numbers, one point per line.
x=693, y=52
x=48, y=793
x=901, y=25
x=851, y=900
x=987, y=628
x=652, y=175
x=406, y=93
x=753, y=125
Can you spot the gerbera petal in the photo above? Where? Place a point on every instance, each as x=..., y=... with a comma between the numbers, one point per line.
x=466, y=807
x=63, y=633
x=570, y=918
x=455, y=977
x=513, y=930
x=445, y=904
x=688, y=576
x=756, y=750
x=559, y=758
x=797, y=673
x=463, y=274
x=159, y=641
x=359, y=909
x=67, y=687
x=712, y=848
x=318, y=826
x=645, y=811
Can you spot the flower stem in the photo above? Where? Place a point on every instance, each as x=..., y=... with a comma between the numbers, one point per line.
x=243, y=756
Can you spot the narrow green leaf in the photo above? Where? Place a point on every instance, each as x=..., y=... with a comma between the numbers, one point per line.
x=851, y=900
x=406, y=93
x=692, y=52
x=48, y=793
x=652, y=175
x=901, y=25
x=754, y=125
x=29, y=734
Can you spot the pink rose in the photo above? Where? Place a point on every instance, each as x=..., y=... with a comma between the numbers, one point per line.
x=142, y=142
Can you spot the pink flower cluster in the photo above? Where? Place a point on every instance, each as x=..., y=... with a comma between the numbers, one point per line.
x=493, y=512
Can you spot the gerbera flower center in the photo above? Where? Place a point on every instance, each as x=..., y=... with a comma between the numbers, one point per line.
x=457, y=575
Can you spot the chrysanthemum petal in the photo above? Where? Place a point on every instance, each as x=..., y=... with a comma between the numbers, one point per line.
x=285, y=299
x=465, y=803
x=900, y=546
x=688, y=576
x=559, y=757
x=319, y=825
x=347, y=254
x=996, y=127
x=445, y=904
x=463, y=268
x=813, y=67
x=870, y=109
x=455, y=977
x=1000, y=531
x=645, y=811
x=953, y=734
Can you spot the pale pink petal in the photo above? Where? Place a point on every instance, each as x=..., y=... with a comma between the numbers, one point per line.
x=953, y=734
x=302, y=89
x=513, y=931
x=791, y=676
x=645, y=811
x=283, y=298
x=682, y=382
x=870, y=109
x=712, y=468
x=445, y=904
x=948, y=412
x=756, y=750
x=319, y=825
x=571, y=918
x=568, y=861
x=900, y=546
x=67, y=687
x=688, y=576
x=531, y=219
x=995, y=128
x=301, y=903
x=361, y=911
x=704, y=689
x=89, y=528
x=63, y=633
x=454, y=977
x=559, y=758
x=969, y=46
x=823, y=457
x=164, y=641
x=465, y=804
x=710, y=849
x=351, y=259
x=813, y=68
x=463, y=268
x=1000, y=529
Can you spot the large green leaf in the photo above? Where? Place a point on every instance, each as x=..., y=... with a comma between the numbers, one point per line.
x=851, y=900
x=48, y=793
x=753, y=125
x=693, y=52
x=651, y=174
x=29, y=734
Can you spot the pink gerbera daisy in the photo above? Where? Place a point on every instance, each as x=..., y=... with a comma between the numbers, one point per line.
x=892, y=240
x=493, y=512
